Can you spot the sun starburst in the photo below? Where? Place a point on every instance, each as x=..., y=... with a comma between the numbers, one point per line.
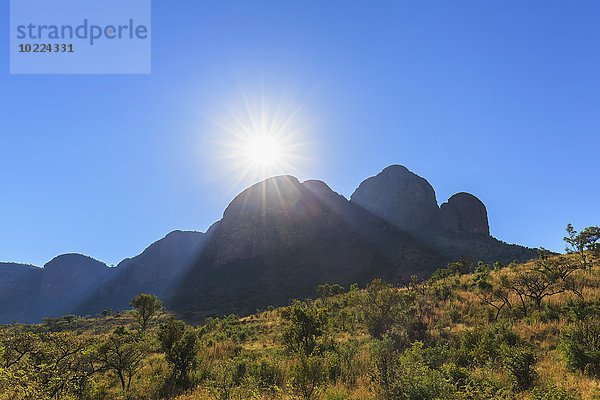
x=262, y=138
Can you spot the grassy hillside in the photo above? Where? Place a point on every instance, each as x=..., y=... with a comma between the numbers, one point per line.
x=522, y=331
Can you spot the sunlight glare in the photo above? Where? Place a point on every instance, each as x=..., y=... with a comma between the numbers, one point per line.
x=262, y=138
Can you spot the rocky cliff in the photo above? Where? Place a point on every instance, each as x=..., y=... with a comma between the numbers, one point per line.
x=408, y=202
x=464, y=213
x=398, y=196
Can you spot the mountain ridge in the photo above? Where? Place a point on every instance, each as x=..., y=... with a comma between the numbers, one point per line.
x=277, y=239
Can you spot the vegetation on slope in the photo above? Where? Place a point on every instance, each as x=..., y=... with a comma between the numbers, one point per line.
x=525, y=331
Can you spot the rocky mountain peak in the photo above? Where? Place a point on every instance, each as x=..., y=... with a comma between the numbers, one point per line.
x=398, y=196
x=276, y=213
x=70, y=275
x=464, y=212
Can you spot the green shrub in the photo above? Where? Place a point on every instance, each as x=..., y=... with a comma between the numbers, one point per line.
x=308, y=376
x=384, y=307
x=482, y=389
x=549, y=393
x=333, y=365
x=518, y=362
x=406, y=375
x=179, y=342
x=580, y=345
x=336, y=395
x=306, y=324
x=482, y=346
x=266, y=374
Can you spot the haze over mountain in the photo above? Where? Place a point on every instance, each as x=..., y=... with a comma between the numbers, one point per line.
x=277, y=240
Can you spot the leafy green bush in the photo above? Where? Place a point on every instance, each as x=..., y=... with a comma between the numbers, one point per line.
x=336, y=395
x=406, y=375
x=580, y=345
x=179, y=342
x=549, y=393
x=266, y=374
x=482, y=346
x=333, y=365
x=306, y=324
x=384, y=307
x=518, y=362
x=308, y=376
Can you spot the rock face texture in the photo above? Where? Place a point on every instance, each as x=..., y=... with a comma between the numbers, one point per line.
x=165, y=259
x=158, y=270
x=279, y=239
x=464, y=213
x=18, y=279
x=71, y=275
x=398, y=196
x=277, y=213
x=19, y=287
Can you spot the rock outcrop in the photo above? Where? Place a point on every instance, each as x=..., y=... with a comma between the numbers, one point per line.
x=279, y=239
x=398, y=196
x=277, y=213
x=71, y=275
x=464, y=213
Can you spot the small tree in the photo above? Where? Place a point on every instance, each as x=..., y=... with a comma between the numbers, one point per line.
x=306, y=325
x=180, y=344
x=383, y=307
x=580, y=345
x=325, y=291
x=145, y=306
x=123, y=353
x=584, y=244
x=535, y=285
x=519, y=362
x=549, y=276
x=308, y=375
x=492, y=292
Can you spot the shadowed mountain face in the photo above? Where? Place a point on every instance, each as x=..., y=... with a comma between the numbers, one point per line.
x=408, y=202
x=156, y=270
x=277, y=240
x=74, y=283
x=280, y=238
x=70, y=276
x=398, y=196
x=19, y=287
x=67, y=279
x=464, y=213
x=278, y=213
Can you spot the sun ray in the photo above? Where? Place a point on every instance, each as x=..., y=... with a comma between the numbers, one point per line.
x=262, y=138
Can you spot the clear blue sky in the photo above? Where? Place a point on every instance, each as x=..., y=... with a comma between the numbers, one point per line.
x=500, y=99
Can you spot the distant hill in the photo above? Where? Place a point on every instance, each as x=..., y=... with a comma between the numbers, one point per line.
x=157, y=270
x=277, y=240
x=74, y=283
x=19, y=292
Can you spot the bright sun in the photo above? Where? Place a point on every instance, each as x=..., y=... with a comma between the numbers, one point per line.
x=260, y=139
x=265, y=152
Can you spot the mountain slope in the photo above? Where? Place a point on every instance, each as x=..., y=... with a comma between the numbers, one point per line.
x=277, y=240
x=19, y=288
x=156, y=270
x=280, y=239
